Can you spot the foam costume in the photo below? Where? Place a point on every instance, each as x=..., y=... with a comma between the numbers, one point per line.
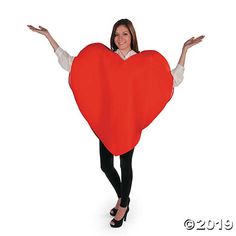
x=119, y=98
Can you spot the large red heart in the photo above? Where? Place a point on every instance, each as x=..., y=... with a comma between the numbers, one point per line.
x=119, y=98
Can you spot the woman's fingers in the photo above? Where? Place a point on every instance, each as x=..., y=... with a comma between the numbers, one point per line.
x=32, y=28
x=201, y=37
x=198, y=39
x=195, y=39
x=192, y=41
x=41, y=29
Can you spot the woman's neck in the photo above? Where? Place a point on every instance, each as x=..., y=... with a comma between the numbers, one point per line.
x=124, y=52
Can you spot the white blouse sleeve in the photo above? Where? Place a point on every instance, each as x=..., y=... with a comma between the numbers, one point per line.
x=178, y=74
x=64, y=58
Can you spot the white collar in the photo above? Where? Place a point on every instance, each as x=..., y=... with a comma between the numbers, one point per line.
x=130, y=53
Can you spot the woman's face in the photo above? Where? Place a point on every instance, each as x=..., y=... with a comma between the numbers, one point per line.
x=123, y=38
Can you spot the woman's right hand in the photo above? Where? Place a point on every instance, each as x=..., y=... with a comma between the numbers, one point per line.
x=45, y=32
x=41, y=30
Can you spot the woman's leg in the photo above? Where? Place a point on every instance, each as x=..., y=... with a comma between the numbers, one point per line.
x=126, y=176
x=107, y=167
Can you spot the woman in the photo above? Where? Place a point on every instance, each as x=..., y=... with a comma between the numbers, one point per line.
x=123, y=41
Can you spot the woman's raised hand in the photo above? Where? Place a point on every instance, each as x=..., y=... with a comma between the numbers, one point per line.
x=192, y=41
x=41, y=30
x=45, y=32
x=188, y=44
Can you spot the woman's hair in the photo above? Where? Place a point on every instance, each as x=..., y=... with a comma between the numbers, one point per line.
x=129, y=25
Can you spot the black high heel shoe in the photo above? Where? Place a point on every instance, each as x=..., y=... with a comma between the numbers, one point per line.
x=114, y=210
x=118, y=223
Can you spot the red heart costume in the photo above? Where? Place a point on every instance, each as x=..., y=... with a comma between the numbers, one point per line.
x=119, y=98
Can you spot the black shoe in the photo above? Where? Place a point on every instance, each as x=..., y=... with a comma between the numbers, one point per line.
x=118, y=223
x=114, y=210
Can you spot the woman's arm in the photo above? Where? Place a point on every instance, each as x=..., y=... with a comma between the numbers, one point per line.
x=52, y=41
x=64, y=59
x=189, y=43
x=46, y=33
x=178, y=75
x=179, y=70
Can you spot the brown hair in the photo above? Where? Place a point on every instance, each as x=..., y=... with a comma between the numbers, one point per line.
x=129, y=25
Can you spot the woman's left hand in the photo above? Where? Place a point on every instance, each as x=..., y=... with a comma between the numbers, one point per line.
x=192, y=41
x=188, y=44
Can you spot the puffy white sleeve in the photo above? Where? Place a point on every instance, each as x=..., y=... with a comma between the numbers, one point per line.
x=64, y=58
x=178, y=74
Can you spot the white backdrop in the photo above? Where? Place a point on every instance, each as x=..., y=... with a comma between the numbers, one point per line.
x=184, y=165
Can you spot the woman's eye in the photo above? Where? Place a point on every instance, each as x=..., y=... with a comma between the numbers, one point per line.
x=122, y=34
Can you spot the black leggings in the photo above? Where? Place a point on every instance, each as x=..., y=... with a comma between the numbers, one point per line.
x=123, y=187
